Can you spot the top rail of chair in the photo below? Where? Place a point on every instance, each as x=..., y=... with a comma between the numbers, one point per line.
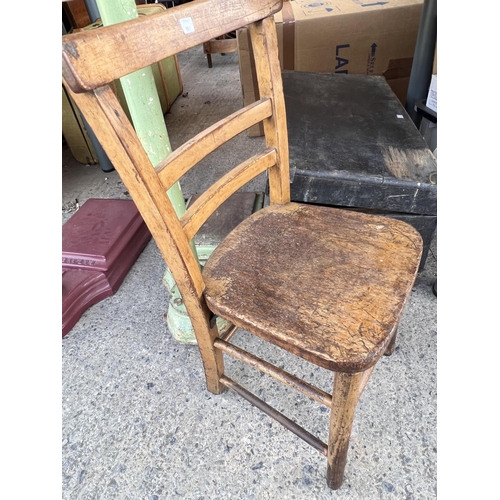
x=94, y=58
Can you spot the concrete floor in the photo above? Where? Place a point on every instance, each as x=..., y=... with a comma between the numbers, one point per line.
x=137, y=422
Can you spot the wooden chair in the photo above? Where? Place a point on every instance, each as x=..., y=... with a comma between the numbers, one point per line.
x=220, y=45
x=352, y=273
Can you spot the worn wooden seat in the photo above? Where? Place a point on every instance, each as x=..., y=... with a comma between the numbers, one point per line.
x=325, y=284
x=333, y=299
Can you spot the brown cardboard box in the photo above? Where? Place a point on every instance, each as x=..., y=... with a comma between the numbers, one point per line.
x=341, y=36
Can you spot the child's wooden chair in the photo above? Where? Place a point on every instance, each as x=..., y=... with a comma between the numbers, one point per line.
x=325, y=284
x=221, y=45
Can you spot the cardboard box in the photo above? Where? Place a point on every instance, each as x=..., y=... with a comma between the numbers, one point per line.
x=341, y=36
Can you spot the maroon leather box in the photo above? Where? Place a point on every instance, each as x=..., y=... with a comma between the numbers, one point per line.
x=100, y=243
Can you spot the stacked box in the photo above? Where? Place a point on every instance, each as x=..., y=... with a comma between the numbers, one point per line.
x=341, y=36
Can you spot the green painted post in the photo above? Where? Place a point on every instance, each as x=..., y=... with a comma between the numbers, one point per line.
x=139, y=89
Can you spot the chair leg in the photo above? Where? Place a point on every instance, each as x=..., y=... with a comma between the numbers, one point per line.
x=347, y=389
x=207, y=52
x=212, y=358
x=213, y=364
x=392, y=344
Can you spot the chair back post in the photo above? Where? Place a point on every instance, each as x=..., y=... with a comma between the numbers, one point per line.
x=268, y=71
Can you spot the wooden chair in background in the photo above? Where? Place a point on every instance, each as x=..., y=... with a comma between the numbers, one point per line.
x=221, y=45
x=352, y=273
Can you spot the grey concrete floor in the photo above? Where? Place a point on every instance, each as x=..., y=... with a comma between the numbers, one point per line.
x=137, y=421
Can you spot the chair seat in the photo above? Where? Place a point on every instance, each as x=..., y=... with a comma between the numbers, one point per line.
x=334, y=299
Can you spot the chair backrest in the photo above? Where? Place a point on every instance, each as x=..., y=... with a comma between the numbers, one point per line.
x=93, y=60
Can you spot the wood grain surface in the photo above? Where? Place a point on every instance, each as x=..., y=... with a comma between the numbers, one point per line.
x=326, y=284
x=149, y=39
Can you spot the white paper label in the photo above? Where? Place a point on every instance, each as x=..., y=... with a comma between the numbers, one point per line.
x=399, y=116
x=432, y=97
x=187, y=25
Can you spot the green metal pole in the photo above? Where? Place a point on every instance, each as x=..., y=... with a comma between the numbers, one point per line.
x=143, y=102
x=141, y=96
